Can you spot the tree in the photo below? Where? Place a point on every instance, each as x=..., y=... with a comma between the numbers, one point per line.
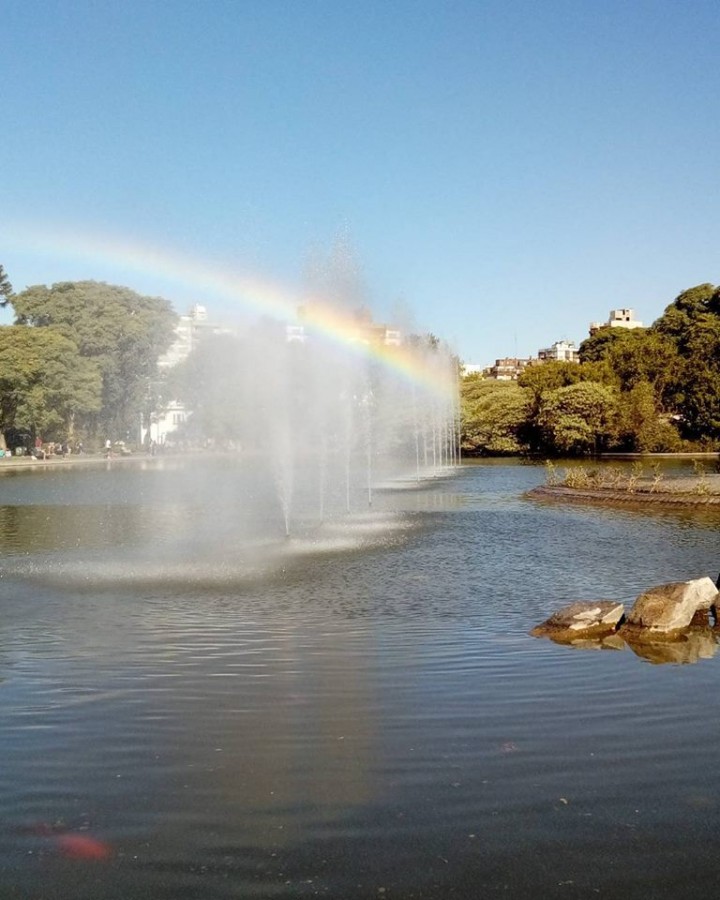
x=44, y=383
x=579, y=418
x=642, y=427
x=6, y=289
x=691, y=324
x=645, y=356
x=596, y=347
x=697, y=399
x=549, y=376
x=493, y=416
x=680, y=316
x=124, y=333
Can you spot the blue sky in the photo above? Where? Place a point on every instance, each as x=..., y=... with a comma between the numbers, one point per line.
x=509, y=170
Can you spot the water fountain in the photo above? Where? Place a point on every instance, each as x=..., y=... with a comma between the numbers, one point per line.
x=339, y=409
x=324, y=417
x=331, y=407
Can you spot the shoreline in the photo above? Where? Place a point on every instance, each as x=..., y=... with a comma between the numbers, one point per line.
x=680, y=494
x=7, y=463
x=30, y=463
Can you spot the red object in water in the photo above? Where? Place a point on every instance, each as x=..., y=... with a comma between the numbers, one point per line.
x=82, y=846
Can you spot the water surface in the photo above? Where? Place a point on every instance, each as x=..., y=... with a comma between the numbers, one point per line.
x=355, y=712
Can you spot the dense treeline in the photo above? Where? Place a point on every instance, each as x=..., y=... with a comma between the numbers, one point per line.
x=654, y=389
x=78, y=361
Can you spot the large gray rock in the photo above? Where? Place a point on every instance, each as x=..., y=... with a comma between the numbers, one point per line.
x=585, y=618
x=671, y=607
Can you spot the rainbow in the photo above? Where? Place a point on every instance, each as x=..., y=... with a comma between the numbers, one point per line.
x=251, y=291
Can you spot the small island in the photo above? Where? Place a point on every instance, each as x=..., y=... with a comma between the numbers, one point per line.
x=635, y=486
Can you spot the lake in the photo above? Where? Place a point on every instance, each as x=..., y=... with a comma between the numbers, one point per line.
x=192, y=706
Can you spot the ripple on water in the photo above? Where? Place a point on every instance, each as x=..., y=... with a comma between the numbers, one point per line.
x=365, y=710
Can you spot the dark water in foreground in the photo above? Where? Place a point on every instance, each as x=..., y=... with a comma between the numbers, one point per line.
x=190, y=708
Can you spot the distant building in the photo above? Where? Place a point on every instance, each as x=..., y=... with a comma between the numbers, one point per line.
x=509, y=368
x=295, y=334
x=357, y=326
x=163, y=422
x=189, y=331
x=471, y=369
x=561, y=351
x=619, y=318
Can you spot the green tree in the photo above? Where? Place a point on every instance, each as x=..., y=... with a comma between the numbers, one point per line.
x=124, y=333
x=691, y=323
x=645, y=356
x=493, y=414
x=549, y=376
x=679, y=318
x=6, y=289
x=579, y=418
x=44, y=383
x=541, y=379
x=642, y=426
x=596, y=347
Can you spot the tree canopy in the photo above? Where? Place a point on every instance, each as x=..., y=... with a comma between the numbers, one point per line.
x=579, y=418
x=634, y=389
x=44, y=384
x=493, y=415
x=121, y=332
x=6, y=289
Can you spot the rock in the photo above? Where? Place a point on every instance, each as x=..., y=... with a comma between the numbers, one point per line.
x=671, y=607
x=582, y=619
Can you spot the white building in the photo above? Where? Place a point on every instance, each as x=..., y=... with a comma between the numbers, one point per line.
x=619, y=318
x=561, y=351
x=190, y=329
x=509, y=368
x=295, y=334
x=163, y=423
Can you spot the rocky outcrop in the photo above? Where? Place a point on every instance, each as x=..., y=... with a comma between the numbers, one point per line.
x=677, y=615
x=582, y=619
x=672, y=607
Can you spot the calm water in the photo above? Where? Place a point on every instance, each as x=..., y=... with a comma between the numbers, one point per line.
x=191, y=707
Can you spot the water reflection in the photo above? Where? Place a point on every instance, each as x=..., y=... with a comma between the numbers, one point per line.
x=689, y=647
x=363, y=718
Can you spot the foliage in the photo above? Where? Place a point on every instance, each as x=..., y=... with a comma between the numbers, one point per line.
x=44, y=383
x=493, y=414
x=641, y=426
x=6, y=289
x=679, y=318
x=691, y=323
x=84, y=355
x=579, y=418
x=549, y=376
x=701, y=485
x=122, y=332
x=620, y=480
x=596, y=347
